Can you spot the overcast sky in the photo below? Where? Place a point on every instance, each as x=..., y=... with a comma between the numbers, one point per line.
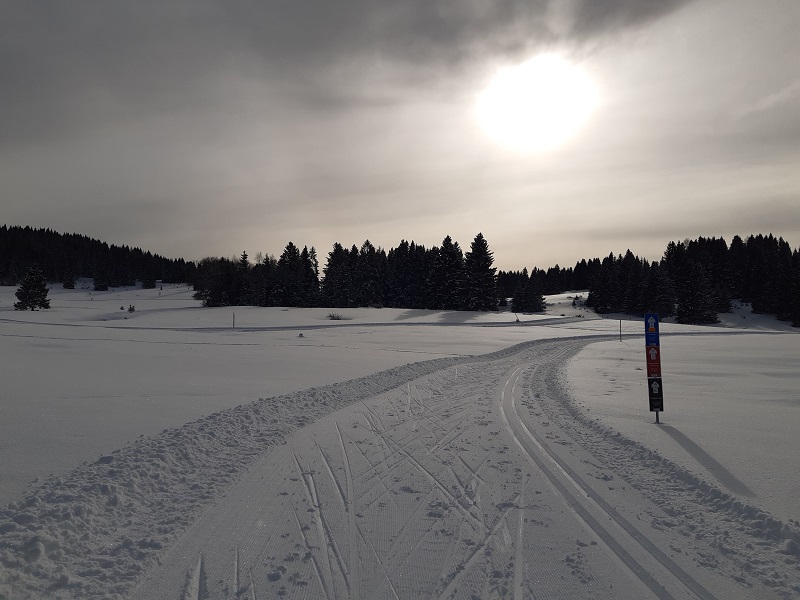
x=194, y=128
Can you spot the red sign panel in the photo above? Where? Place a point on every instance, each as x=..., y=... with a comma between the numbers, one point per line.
x=653, y=361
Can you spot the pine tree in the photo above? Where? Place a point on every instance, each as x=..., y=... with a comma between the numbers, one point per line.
x=32, y=292
x=697, y=301
x=289, y=275
x=368, y=275
x=336, y=283
x=149, y=278
x=309, y=295
x=446, y=276
x=69, y=278
x=419, y=272
x=528, y=296
x=242, y=292
x=507, y=284
x=580, y=276
x=215, y=281
x=519, y=300
x=263, y=279
x=659, y=293
x=480, y=288
x=534, y=296
x=603, y=291
x=632, y=275
x=399, y=276
x=794, y=298
x=737, y=267
x=101, y=277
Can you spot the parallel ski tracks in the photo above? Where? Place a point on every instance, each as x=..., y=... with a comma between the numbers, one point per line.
x=427, y=438
x=570, y=486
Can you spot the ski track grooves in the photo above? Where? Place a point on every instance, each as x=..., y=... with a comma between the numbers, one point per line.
x=322, y=580
x=317, y=521
x=442, y=488
x=518, y=558
x=237, y=584
x=562, y=476
x=477, y=551
x=330, y=540
x=350, y=507
x=194, y=584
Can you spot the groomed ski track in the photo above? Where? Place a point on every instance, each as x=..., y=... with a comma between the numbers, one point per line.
x=462, y=483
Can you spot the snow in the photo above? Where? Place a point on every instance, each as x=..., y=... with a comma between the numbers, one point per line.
x=112, y=375
x=732, y=407
x=392, y=453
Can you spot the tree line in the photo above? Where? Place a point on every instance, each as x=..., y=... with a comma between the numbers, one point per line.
x=697, y=279
x=408, y=276
x=66, y=257
x=693, y=281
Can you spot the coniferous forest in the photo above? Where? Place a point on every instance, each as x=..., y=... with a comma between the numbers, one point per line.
x=693, y=281
x=65, y=257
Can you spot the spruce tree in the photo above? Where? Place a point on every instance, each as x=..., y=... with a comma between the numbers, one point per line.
x=528, y=296
x=659, y=293
x=289, y=277
x=794, y=298
x=309, y=296
x=32, y=292
x=101, y=277
x=580, y=276
x=480, y=287
x=534, y=296
x=519, y=301
x=242, y=292
x=446, y=276
x=149, y=280
x=602, y=293
x=399, y=276
x=262, y=276
x=696, y=299
x=336, y=283
x=368, y=275
x=69, y=278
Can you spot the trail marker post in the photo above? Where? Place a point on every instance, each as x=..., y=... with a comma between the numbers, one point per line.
x=655, y=387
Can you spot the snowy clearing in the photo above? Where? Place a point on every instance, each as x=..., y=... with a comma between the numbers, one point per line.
x=392, y=454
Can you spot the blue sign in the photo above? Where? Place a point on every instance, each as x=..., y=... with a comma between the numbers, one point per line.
x=651, y=323
x=651, y=329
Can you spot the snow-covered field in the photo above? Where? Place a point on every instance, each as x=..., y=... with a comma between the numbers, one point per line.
x=390, y=454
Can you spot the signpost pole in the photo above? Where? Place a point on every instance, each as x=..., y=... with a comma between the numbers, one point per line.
x=655, y=387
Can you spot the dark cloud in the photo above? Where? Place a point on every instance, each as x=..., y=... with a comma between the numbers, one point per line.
x=71, y=66
x=594, y=17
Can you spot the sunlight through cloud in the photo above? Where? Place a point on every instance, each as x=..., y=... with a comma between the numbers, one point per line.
x=538, y=105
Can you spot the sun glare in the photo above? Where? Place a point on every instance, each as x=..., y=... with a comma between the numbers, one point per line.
x=538, y=105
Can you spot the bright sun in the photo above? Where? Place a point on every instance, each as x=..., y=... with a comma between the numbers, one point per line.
x=538, y=105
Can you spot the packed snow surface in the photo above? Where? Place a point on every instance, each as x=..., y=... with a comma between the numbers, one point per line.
x=390, y=454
